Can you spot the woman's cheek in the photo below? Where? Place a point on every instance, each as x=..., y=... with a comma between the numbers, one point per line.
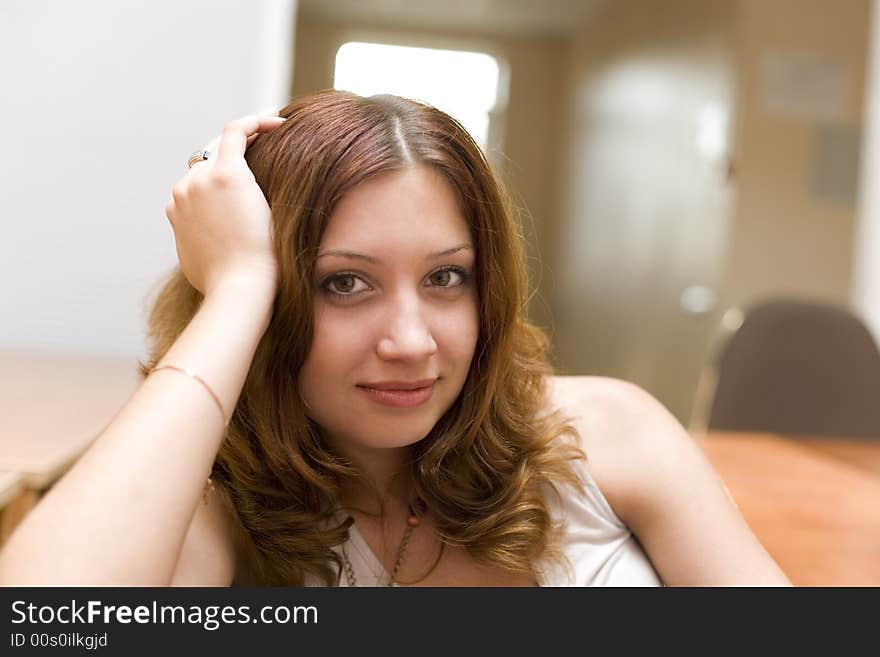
x=460, y=330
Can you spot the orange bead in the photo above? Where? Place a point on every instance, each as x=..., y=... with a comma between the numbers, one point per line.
x=413, y=521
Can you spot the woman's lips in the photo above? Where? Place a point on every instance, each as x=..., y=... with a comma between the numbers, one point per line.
x=400, y=398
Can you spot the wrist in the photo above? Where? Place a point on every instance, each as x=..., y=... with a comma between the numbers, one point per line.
x=244, y=288
x=246, y=297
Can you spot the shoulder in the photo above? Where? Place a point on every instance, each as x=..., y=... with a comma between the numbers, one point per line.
x=613, y=404
x=624, y=430
x=613, y=416
x=661, y=485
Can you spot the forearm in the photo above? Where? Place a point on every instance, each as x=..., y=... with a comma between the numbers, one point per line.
x=121, y=513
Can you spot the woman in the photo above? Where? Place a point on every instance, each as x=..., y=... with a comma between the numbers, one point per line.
x=354, y=288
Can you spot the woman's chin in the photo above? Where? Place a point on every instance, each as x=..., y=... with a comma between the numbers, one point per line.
x=397, y=442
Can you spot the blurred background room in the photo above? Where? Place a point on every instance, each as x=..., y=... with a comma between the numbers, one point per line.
x=695, y=180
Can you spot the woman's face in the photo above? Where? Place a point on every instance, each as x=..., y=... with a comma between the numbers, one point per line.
x=404, y=310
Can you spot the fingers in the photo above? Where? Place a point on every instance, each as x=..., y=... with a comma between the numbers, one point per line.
x=234, y=140
x=248, y=127
x=269, y=111
x=211, y=147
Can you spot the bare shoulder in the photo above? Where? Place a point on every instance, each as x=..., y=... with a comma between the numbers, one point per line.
x=209, y=553
x=611, y=410
x=619, y=424
x=615, y=405
x=661, y=485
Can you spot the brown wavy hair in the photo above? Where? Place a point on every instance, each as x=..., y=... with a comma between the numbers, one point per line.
x=487, y=464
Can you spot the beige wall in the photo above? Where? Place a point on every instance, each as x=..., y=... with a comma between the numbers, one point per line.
x=786, y=238
x=528, y=159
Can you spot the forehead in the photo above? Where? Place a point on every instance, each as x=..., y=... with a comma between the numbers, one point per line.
x=415, y=209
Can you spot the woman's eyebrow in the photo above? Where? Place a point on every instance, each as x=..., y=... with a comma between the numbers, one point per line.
x=368, y=258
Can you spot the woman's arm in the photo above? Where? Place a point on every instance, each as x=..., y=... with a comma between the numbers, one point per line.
x=208, y=556
x=119, y=516
x=661, y=485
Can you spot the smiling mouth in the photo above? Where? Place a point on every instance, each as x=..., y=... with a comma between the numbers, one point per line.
x=400, y=398
x=400, y=385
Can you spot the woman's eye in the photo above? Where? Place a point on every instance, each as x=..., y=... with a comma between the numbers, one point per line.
x=342, y=284
x=442, y=277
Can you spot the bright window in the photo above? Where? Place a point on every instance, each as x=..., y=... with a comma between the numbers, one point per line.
x=462, y=84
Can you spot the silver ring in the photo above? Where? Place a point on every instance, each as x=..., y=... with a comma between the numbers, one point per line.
x=197, y=156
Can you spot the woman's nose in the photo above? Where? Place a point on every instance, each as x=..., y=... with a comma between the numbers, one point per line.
x=407, y=334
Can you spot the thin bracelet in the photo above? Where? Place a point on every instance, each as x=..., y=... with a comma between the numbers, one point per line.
x=195, y=376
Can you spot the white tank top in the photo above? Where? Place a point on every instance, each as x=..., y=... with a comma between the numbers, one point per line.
x=601, y=549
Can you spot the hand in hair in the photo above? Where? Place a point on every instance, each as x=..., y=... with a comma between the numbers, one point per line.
x=220, y=217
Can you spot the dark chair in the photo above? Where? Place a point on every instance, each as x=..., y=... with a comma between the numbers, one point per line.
x=798, y=368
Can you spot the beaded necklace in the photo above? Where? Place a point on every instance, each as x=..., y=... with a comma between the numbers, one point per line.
x=415, y=511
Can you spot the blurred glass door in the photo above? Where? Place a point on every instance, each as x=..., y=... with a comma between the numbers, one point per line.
x=647, y=195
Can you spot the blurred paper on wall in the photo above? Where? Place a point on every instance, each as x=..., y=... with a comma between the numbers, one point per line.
x=805, y=85
x=835, y=164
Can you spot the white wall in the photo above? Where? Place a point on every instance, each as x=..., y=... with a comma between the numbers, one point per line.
x=866, y=258
x=101, y=104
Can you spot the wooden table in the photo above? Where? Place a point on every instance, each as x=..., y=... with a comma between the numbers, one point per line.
x=863, y=454
x=15, y=502
x=813, y=503
x=52, y=406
